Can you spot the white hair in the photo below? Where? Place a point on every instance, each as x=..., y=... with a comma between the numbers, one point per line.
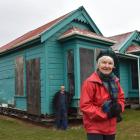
x=102, y=58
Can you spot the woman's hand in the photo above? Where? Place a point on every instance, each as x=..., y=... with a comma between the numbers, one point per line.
x=115, y=110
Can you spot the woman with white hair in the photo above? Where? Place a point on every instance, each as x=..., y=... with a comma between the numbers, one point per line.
x=102, y=99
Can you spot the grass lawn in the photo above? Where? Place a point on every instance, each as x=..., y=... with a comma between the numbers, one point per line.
x=11, y=129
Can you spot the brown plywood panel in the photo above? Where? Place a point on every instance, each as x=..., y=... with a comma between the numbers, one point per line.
x=33, y=86
x=19, y=73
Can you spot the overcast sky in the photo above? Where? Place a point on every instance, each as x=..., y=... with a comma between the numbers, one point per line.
x=111, y=16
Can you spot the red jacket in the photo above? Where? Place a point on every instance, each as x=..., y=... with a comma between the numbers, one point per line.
x=93, y=95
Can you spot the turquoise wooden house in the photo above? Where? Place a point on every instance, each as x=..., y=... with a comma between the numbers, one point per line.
x=127, y=47
x=63, y=51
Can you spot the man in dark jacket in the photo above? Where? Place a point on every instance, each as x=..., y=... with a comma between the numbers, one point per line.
x=61, y=101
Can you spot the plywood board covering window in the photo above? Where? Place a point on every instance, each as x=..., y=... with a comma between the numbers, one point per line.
x=19, y=75
x=33, y=86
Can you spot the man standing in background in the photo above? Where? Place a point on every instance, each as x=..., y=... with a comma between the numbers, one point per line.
x=61, y=101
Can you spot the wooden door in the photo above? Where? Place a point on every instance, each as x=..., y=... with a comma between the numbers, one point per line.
x=33, y=86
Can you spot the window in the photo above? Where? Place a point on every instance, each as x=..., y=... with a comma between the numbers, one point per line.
x=86, y=63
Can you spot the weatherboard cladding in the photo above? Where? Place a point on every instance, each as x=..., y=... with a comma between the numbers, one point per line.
x=7, y=72
x=54, y=66
x=7, y=80
x=124, y=76
x=55, y=59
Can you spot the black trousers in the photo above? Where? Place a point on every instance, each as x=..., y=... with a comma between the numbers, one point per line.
x=91, y=136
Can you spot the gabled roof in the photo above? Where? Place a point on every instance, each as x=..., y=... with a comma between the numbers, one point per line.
x=120, y=39
x=127, y=42
x=31, y=35
x=50, y=28
x=85, y=33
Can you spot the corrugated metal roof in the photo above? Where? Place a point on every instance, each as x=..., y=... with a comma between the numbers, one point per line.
x=83, y=32
x=31, y=35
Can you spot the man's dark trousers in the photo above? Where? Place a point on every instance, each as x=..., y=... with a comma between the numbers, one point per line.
x=61, y=119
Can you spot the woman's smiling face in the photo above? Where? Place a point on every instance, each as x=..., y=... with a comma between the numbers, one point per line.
x=105, y=64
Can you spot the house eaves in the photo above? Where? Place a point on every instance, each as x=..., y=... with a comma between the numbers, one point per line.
x=127, y=56
x=19, y=44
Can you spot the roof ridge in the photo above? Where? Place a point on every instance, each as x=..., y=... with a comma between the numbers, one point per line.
x=121, y=34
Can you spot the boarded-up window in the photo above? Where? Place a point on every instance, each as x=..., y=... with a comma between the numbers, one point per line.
x=86, y=63
x=33, y=86
x=19, y=76
x=70, y=65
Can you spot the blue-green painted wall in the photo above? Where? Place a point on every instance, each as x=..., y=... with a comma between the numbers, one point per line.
x=7, y=82
x=124, y=76
x=55, y=57
x=7, y=76
x=125, y=79
x=53, y=70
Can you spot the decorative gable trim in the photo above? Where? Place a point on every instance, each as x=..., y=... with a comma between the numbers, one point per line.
x=81, y=19
x=90, y=21
x=137, y=39
x=73, y=15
